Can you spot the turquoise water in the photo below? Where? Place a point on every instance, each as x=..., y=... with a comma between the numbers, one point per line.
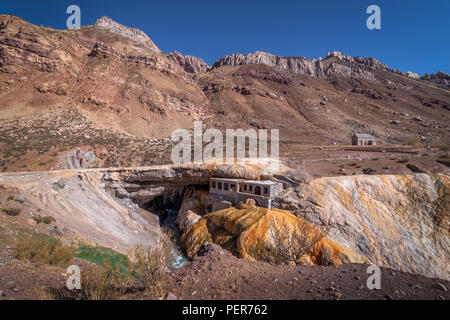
x=178, y=256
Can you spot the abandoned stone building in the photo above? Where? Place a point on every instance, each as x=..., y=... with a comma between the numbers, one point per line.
x=232, y=191
x=363, y=139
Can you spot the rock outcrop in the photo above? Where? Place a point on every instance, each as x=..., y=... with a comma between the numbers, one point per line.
x=189, y=63
x=441, y=78
x=412, y=75
x=77, y=159
x=370, y=62
x=293, y=64
x=142, y=185
x=102, y=50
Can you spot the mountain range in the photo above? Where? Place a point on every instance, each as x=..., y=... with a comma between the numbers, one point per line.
x=110, y=89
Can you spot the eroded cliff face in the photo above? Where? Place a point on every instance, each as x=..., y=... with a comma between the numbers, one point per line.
x=335, y=64
x=293, y=64
x=84, y=210
x=397, y=221
x=103, y=206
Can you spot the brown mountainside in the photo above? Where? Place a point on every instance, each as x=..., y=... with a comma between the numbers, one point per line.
x=107, y=85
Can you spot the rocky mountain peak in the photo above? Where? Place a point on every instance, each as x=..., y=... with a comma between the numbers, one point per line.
x=440, y=78
x=133, y=34
x=370, y=62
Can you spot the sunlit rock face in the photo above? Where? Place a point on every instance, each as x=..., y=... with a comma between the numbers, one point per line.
x=133, y=34
x=335, y=64
x=293, y=64
x=256, y=233
x=398, y=221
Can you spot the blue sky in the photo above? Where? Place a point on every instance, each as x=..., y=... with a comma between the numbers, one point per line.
x=414, y=35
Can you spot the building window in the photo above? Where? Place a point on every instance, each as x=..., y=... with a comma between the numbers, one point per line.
x=219, y=185
x=250, y=188
x=232, y=187
x=225, y=186
x=265, y=191
x=245, y=187
x=258, y=190
x=213, y=184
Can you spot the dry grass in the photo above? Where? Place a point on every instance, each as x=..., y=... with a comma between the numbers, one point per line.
x=143, y=277
x=148, y=265
x=413, y=143
x=44, y=249
x=101, y=282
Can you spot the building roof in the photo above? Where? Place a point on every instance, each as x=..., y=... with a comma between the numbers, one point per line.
x=261, y=182
x=364, y=135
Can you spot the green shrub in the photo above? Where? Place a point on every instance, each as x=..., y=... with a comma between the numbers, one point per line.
x=98, y=254
x=12, y=211
x=46, y=220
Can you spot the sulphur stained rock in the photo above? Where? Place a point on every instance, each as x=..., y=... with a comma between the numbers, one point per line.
x=327, y=252
x=260, y=234
x=397, y=221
